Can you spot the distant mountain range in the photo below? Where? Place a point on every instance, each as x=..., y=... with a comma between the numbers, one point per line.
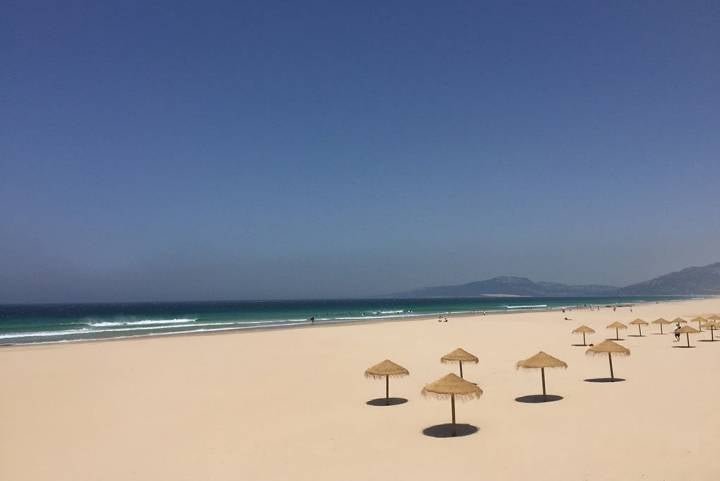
x=691, y=281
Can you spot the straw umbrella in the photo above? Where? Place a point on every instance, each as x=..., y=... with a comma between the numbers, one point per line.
x=540, y=361
x=687, y=330
x=714, y=320
x=639, y=323
x=386, y=369
x=617, y=326
x=609, y=347
x=661, y=322
x=452, y=386
x=584, y=330
x=700, y=320
x=712, y=325
x=459, y=355
x=679, y=320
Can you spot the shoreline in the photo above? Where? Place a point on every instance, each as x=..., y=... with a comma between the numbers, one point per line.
x=347, y=322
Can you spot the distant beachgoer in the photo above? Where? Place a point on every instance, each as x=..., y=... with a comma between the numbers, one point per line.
x=439, y=318
x=677, y=333
x=312, y=319
x=446, y=319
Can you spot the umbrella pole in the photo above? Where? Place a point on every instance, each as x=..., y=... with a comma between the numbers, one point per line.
x=661, y=332
x=461, y=374
x=612, y=375
x=387, y=389
x=712, y=332
x=687, y=335
x=542, y=373
x=452, y=406
x=584, y=343
x=617, y=334
x=640, y=329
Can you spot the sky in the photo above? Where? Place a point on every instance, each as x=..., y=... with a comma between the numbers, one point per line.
x=175, y=150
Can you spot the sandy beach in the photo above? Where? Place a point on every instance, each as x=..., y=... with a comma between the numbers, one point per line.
x=291, y=404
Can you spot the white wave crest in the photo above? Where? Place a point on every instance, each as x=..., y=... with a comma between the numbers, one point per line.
x=18, y=335
x=144, y=322
x=162, y=328
x=532, y=306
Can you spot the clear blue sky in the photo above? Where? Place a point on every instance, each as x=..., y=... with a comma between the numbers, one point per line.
x=235, y=150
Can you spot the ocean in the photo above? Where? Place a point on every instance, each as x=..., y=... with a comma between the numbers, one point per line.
x=35, y=323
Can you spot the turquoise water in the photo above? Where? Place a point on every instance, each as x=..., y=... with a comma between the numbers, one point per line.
x=69, y=322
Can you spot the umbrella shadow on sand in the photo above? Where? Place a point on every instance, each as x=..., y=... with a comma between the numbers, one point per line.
x=450, y=430
x=604, y=379
x=392, y=401
x=538, y=398
x=683, y=347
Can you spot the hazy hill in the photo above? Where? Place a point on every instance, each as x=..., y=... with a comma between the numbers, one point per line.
x=691, y=281
x=511, y=286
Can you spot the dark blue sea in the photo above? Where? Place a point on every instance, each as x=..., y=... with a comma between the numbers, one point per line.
x=73, y=322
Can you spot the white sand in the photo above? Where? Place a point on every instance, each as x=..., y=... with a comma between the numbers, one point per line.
x=290, y=405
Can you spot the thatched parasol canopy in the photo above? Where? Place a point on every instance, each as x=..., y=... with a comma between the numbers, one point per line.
x=713, y=317
x=459, y=355
x=609, y=347
x=639, y=323
x=541, y=360
x=584, y=330
x=687, y=330
x=661, y=322
x=386, y=369
x=680, y=320
x=617, y=326
x=452, y=386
